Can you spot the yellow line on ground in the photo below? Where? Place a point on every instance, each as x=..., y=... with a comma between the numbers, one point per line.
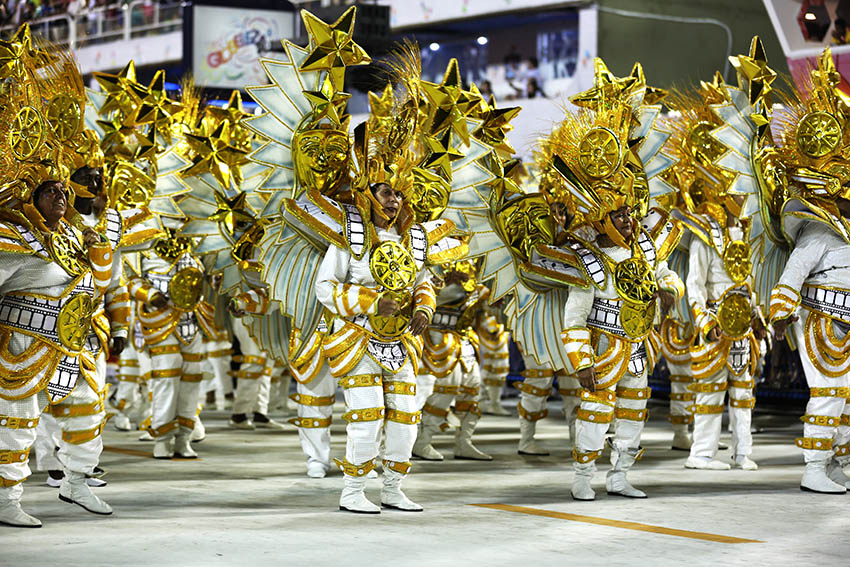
x=135, y=453
x=618, y=524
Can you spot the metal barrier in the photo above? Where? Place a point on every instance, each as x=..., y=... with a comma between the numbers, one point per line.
x=115, y=22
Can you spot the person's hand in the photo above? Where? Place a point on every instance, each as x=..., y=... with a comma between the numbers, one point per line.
x=666, y=298
x=160, y=300
x=387, y=306
x=117, y=345
x=759, y=332
x=713, y=335
x=234, y=309
x=418, y=323
x=781, y=326
x=587, y=378
x=90, y=237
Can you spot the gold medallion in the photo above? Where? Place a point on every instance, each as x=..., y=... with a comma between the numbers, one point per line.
x=734, y=315
x=818, y=134
x=392, y=266
x=26, y=133
x=599, y=153
x=74, y=321
x=396, y=324
x=64, y=116
x=736, y=260
x=636, y=318
x=185, y=288
x=634, y=280
x=67, y=253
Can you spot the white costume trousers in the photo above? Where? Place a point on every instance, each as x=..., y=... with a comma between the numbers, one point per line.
x=315, y=401
x=377, y=399
x=825, y=403
x=175, y=385
x=217, y=363
x=707, y=425
x=681, y=397
x=253, y=379
x=628, y=412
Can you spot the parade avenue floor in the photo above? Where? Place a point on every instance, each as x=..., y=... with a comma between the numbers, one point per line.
x=247, y=502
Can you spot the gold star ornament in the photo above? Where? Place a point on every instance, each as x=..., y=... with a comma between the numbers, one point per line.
x=231, y=211
x=441, y=154
x=215, y=155
x=332, y=48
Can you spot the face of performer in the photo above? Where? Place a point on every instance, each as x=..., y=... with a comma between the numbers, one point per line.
x=390, y=201
x=51, y=201
x=622, y=221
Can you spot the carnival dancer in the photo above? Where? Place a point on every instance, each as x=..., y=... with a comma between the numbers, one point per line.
x=727, y=325
x=355, y=228
x=51, y=280
x=808, y=202
x=168, y=292
x=450, y=356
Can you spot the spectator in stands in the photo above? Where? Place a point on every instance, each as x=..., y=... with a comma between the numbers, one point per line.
x=486, y=89
x=532, y=82
x=512, y=61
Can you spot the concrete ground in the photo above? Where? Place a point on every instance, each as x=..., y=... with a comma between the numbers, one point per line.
x=247, y=502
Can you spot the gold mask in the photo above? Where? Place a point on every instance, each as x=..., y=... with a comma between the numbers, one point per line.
x=430, y=195
x=526, y=222
x=321, y=159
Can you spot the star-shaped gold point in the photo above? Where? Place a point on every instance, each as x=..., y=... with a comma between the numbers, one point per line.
x=754, y=76
x=504, y=183
x=122, y=91
x=451, y=103
x=156, y=108
x=495, y=126
x=230, y=211
x=441, y=154
x=234, y=115
x=328, y=102
x=332, y=47
x=215, y=155
x=16, y=52
x=607, y=87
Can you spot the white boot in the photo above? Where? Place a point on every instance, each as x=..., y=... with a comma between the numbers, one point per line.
x=835, y=472
x=392, y=496
x=183, y=446
x=121, y=422
x=422, y=448
x=615, y=481
x=682, y=439
x=494, y=402
x=74, y=490
x=527, y=444
x=199, y=433
x=704, y=463
x=581, y=489
x=815, y=479
x=317, y=469
x=10, y=509
x=745, y=463
x=163, y=448
x=353, y=499
x=464, y=449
